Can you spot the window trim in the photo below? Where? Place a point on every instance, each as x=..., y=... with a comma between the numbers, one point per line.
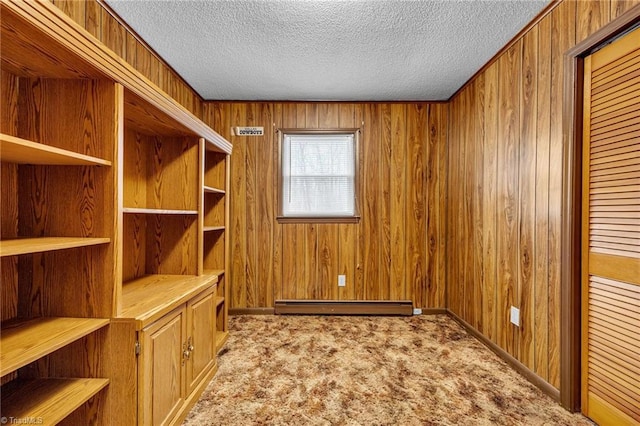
x=280, y=217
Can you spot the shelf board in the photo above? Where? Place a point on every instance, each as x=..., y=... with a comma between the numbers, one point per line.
x=212, y=190
x=48, y=399
x=137, y=210
x=219, y=300
x=19, y=246
x=221, y=339
x=148, y=298
x=212, y=228
x=26, y=341
x=216, y=272
x=22, y=151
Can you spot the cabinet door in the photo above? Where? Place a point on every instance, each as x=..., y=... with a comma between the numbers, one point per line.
x=201, y=319
x=161, y=389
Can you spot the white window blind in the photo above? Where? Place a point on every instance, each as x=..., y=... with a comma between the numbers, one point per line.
x=318, y=175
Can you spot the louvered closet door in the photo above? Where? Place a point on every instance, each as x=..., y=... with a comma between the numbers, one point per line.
x=611, y=234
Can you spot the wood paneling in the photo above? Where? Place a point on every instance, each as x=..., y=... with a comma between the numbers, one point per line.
x=511, y=117
x=395, y=251
x=502, y=197
x=92, y=16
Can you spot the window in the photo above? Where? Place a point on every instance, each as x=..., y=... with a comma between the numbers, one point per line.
x=318, y=175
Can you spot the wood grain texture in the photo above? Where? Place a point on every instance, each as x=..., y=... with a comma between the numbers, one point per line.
x=26, y=341
x=50, y=399
x=520, y=185
x=508, y=194
x=563, y=36
x=541, y=274
x=396, y=146
x=618, y=7
x=527, y=194
x=591, y=16
x=98, y=21
x=8, y=197
x=47, y=107
x=155, y=166
x=489, y=206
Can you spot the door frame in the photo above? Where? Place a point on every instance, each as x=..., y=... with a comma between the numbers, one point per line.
x=571, y=237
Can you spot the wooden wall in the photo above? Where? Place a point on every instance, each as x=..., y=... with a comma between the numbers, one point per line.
x=503, y=211
x=92, y=16
x=505, y=178
x=395, y=252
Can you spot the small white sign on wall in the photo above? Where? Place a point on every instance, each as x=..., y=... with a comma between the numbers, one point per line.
x=248, y=131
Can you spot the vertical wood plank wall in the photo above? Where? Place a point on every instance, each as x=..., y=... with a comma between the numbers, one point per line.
x=502, y=218
x=396, y=251
x=504, y=188
x=90, y=15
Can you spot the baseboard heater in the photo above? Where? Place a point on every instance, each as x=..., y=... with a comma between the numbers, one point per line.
x=343, y=307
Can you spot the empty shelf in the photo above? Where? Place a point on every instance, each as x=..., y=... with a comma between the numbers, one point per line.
x=49, y=400
x=38, y=245
x=22, y=151
x=26, y=341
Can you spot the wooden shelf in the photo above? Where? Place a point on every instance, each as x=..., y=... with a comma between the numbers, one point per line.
x=19, y=246
x=26, y=341
x=97, y=61
x=221, y=339
x=212, y=228
x=212, y=190
x=148, y=298
x=22, y=151
x=216, y=272
x=48, y=399
x=136, y=210
x=219, y=301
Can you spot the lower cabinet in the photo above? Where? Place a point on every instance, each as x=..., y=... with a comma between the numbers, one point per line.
x=201, y=339
x=177, y=354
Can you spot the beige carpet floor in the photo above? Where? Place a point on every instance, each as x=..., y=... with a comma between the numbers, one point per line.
x=421, y=370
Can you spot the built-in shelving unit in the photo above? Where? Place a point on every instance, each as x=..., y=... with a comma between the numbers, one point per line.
x=148, y=298
x=18, y=246
x=22, y=151
x=135, y=210
x=50, y=400
x=26, y=341
x=213, y=228
x=107, y=229
x=215, y=224
x=57, y=151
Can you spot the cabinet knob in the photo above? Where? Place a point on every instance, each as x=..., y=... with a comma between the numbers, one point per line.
x=186, y=353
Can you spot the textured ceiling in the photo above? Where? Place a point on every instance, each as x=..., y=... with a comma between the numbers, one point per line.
x=367, y=50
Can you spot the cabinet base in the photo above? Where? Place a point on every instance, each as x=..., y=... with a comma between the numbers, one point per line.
x=193, y=398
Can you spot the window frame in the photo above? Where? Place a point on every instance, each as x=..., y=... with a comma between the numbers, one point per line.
x=281, y=218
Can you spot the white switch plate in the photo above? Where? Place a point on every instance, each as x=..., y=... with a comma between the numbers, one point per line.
x=515, y=316
x=342, y=280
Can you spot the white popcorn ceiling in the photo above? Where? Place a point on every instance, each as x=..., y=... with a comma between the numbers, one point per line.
x=326, y=50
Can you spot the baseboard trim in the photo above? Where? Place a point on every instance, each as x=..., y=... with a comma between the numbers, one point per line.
x=513, y=362
x=251, y=311
x=434, y=311
x=344, y=307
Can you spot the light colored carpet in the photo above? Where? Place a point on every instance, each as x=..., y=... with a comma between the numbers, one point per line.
x=421, y=370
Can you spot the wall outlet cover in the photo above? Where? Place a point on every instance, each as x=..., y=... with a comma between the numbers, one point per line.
x=342, y=280
x=515, y=316
x=417, y=311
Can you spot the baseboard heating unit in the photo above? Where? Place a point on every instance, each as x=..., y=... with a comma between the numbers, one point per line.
x=343, y=307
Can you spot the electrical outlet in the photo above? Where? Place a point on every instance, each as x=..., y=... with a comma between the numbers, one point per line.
x=342, y=280
x=417, y=311
x=515, y=316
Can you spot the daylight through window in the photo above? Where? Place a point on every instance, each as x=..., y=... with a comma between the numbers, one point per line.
x=318, y=174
